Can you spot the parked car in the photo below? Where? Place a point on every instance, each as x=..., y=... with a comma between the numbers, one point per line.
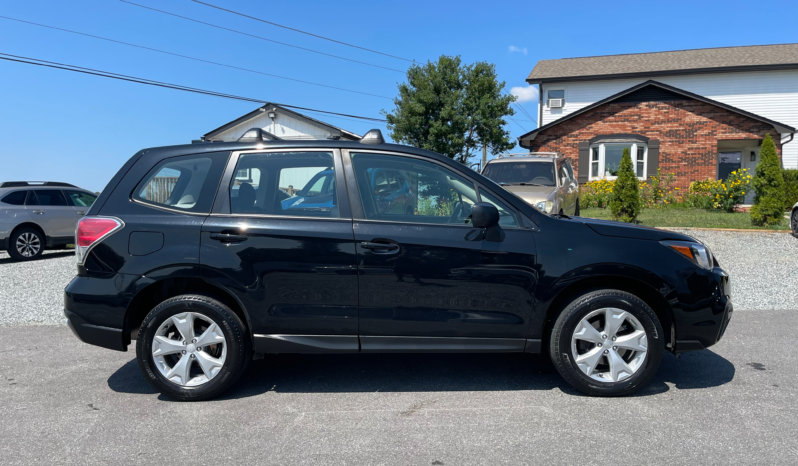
x=204, y=284
x=794, y=220
x=542, y=179
x=35, y=216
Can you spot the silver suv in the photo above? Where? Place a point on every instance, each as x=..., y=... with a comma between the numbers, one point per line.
x=35, y=216
x=543, y=179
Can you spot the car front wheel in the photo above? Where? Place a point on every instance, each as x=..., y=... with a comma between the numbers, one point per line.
x=607, y=343
x=795, y=223
x=192, y=347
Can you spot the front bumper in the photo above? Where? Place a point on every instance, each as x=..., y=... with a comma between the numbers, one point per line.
x=704, y=310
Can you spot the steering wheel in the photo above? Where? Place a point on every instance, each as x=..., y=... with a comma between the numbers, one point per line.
x=460, y=212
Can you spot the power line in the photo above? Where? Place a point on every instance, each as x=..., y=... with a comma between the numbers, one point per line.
x=150, y=82
x=193, y=58
x=259, y=37
x=519, y=107
x=301, y=31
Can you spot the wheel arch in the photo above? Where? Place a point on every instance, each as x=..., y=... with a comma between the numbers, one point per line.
x=565, y=294
x=29, y=224
x=155, y=293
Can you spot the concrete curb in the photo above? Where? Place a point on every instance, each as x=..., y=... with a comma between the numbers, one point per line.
x=733, y=230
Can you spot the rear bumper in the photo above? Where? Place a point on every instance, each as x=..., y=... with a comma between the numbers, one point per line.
x=111, y=338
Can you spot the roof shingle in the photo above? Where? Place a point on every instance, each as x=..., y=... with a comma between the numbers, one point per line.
x=641, y=64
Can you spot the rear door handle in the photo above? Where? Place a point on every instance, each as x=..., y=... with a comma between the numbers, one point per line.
x=228, y=238
x=40, y=212
x=380, y=248
x=81, y=212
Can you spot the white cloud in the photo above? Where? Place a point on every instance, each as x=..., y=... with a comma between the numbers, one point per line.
x=514, y=49
x=525, y=94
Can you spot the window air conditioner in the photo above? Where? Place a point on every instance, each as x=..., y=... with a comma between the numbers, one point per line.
x=555, y=103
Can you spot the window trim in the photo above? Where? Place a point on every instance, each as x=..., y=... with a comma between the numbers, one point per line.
x=636, y=144
x=356, y=205
x=221, y=205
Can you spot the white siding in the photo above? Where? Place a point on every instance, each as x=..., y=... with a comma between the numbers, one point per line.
x=284, y=126
x=770, y=94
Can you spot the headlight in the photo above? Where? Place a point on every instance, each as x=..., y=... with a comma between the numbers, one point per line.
x=544, y=206
x=696, y=252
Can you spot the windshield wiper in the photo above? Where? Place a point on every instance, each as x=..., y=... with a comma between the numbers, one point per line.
x=521, y=184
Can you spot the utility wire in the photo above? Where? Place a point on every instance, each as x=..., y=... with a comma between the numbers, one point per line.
x=122, y=77
x=519, y=107
x=259, y=37
x=301, y=31
x=192, y=58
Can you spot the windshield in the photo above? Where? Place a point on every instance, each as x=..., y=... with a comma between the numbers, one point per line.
x=515, y=173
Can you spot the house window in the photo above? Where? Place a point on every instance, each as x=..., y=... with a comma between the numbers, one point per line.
x=556, y=94
x=605, y=159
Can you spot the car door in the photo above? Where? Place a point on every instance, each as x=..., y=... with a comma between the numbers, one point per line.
x=425, y=284
x=80, y=201
x=292, y=265
x=49, y=208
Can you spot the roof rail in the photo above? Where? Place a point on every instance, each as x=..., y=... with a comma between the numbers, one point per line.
x=530, y=154
x=18, y=184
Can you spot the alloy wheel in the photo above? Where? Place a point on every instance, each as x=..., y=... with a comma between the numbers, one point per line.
x=28, y=244
x=609, y=345
x=189, y=349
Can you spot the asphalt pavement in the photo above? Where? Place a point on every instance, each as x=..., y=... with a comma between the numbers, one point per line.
x=65, y=402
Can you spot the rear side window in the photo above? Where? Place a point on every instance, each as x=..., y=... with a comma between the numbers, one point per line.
x=49, y=197
x=297, y=184
x=80, y=199
x=186, y=183
x=15, y=198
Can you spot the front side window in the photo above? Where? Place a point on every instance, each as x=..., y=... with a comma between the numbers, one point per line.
x=404, y=189
x=506, y=216
x=80, y=199
x=297, y=184
x=15, y=198
x=522, y=173
x=605, y=159
x=186, y=183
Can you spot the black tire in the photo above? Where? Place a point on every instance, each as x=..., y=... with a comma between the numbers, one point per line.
x=566, y=323
x=795, y=223
x=576, y=209
x=237, y=338
x=12, y=244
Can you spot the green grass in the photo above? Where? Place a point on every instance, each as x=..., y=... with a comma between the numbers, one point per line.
x=696, y=218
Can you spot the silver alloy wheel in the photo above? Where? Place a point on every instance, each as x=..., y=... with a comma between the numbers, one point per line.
x=609, y=345
x=189, y=349
x=28, y=244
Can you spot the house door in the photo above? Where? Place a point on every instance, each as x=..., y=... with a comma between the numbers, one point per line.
x=750, y=160
x=728, y=162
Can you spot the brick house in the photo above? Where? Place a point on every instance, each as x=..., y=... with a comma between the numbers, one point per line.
x=697, y=113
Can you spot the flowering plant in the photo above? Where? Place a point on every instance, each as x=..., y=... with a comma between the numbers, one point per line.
x=729, y=193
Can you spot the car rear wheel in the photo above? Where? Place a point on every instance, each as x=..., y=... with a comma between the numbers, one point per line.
x=607, y=343
x=795, y=223
x=26, y=244
x=192, y=347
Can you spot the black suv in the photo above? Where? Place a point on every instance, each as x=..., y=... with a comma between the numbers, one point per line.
x=205, y=256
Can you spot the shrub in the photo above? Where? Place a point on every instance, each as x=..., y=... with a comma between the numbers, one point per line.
x=790, y=188
x=768, y=208
x=700, y=195
x=626, y=203
x=595, y=194
x=659, y=192
x=729, y=193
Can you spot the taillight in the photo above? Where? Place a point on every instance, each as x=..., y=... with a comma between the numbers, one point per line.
x=91, y=231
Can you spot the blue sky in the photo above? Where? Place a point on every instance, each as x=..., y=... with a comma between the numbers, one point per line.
x=69, y=127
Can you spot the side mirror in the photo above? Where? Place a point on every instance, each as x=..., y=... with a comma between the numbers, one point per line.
x=484, y=215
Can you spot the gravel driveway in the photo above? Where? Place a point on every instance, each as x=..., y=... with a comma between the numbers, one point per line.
x=762, y=267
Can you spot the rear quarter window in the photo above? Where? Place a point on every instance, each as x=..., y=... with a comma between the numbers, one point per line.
x=14, y=198
x=186, y=183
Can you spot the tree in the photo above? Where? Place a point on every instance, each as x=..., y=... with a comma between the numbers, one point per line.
x=768, y=208
x=452, y=109
x=626, y=203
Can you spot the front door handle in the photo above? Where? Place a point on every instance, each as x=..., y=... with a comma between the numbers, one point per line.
x=228, y=238
x=380, y=248
x=39, y=212
x=81, y=212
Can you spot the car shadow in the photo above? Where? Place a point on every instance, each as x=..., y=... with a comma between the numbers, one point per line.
x=357, y=373
x=6, y=259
